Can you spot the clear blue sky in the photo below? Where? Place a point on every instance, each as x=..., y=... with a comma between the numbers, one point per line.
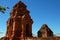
x=41, y=11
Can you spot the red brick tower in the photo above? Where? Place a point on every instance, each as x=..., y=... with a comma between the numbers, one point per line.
x=19, y=25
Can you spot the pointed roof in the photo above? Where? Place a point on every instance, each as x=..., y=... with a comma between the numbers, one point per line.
x=45, y=27
x=20, y=4
x=19, y=9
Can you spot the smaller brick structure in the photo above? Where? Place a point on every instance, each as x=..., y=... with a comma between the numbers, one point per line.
x=45, y=31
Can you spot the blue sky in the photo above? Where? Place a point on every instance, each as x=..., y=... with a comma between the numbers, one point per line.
x=41, y=11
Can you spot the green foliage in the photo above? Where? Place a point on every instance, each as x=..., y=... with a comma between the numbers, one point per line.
x=3, y=9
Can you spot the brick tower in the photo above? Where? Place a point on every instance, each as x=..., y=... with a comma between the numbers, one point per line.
x=45, y=32
x=19, y=25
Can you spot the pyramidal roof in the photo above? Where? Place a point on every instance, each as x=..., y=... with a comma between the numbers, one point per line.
x=20, y=4
x=45, y=27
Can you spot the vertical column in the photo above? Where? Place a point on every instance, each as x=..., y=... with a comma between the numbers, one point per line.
x=23, y=31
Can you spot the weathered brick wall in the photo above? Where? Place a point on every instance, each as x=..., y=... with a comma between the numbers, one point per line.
x=49, y=38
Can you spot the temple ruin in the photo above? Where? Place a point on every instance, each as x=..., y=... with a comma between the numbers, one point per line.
x=45, y=31
x=19, y=26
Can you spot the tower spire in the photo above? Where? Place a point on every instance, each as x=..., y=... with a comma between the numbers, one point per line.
x=20, y=0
